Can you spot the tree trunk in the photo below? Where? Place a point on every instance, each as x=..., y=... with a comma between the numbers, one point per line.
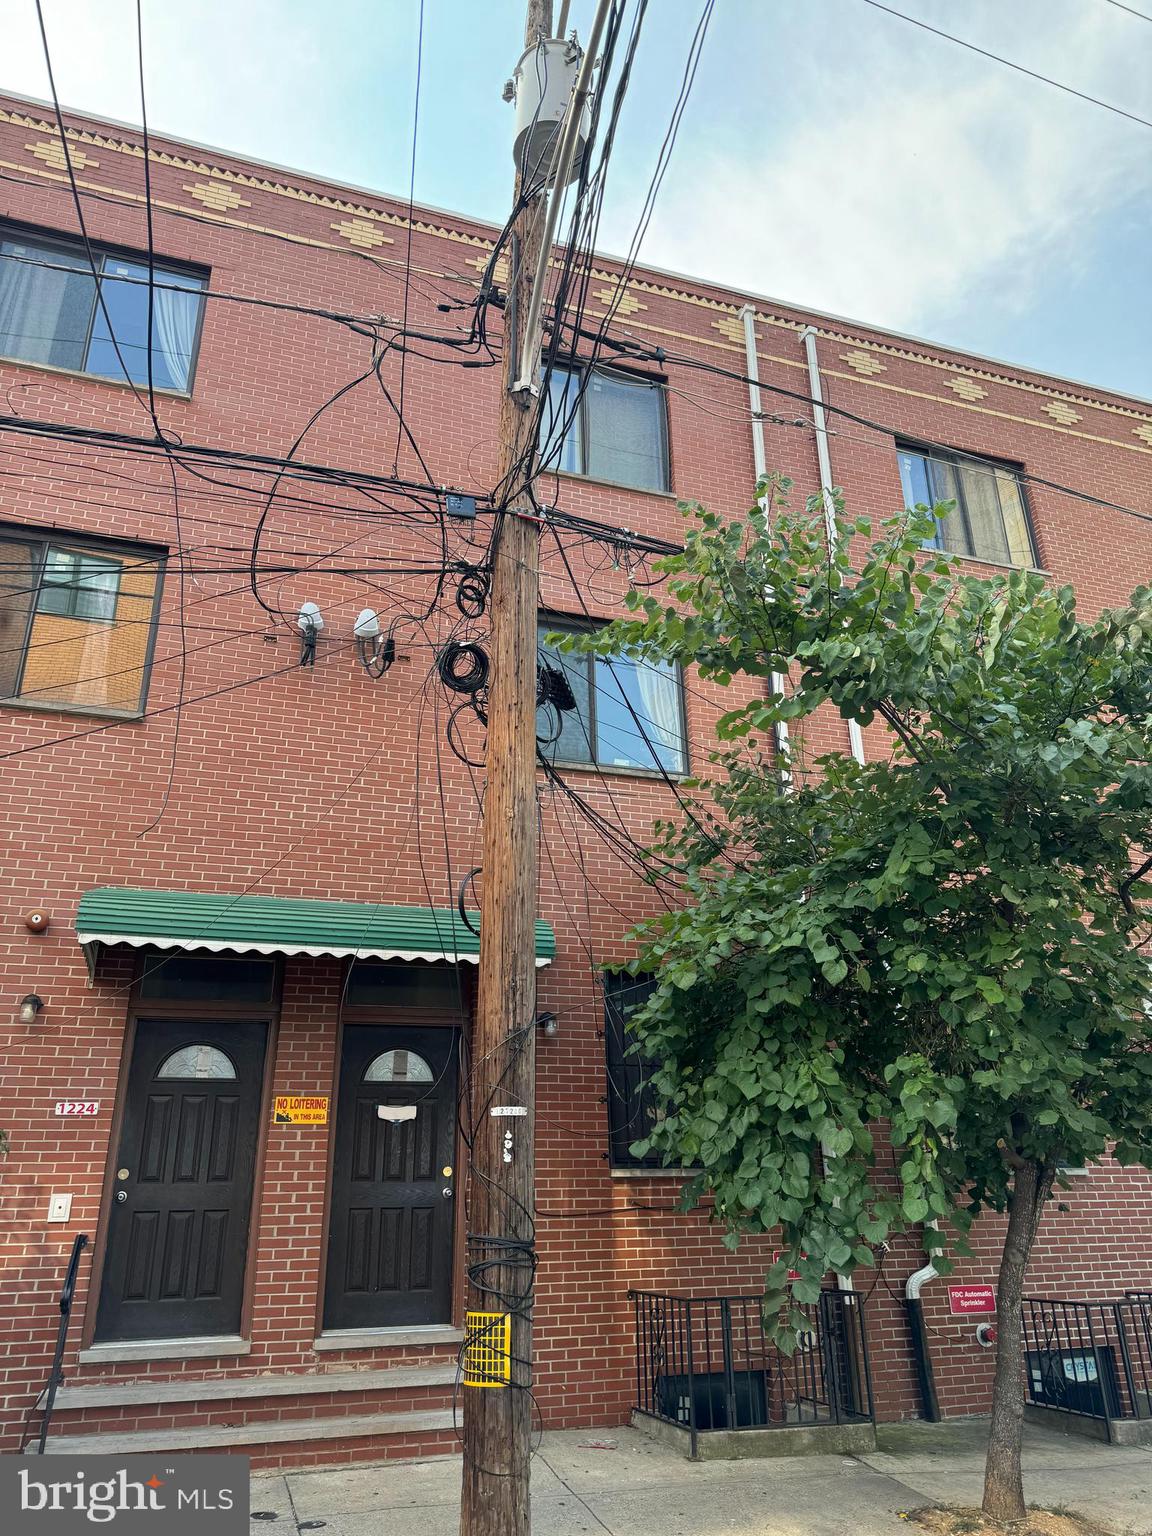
x=1003, y=1477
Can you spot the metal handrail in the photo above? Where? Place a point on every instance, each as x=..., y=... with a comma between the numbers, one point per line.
x=56, y=1375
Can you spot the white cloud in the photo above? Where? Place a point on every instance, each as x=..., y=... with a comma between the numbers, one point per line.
x=892, y=176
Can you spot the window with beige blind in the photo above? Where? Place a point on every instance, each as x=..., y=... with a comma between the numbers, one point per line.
x=989, y=519
x=77, y=621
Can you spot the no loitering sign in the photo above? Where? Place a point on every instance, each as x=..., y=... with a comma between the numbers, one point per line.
x=300, y=1109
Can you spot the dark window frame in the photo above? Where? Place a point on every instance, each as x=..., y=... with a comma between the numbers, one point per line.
x=626, y=1075
x=659, y=387
x=53, y=241
x=50, y=538
x=548, y=623
x=958, y=460
x=148, y=961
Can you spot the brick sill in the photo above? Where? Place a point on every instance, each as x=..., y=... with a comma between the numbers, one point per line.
x=654, y=1173
x=619, y=770
x=84, y=711
x=93, y=378
x=609, y=485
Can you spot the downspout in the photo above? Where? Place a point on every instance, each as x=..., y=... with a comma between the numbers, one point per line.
x=760, y=461
x=914, y=1307
x=824, y=459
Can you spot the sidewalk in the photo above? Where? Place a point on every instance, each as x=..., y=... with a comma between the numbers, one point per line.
x=620, y=1483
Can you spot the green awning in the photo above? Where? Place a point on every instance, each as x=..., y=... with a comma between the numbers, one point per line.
x=272, y=925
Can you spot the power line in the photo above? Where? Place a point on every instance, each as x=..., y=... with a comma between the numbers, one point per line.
x=683, y=360
x=1010, y=64
x=1143, y=15
x=408, y=251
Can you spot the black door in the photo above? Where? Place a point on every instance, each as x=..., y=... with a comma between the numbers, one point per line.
x=390, y=1233
x=182, y=1186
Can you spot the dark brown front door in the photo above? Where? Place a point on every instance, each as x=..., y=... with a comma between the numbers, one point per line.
x=182, y=1186
x=393, y=1180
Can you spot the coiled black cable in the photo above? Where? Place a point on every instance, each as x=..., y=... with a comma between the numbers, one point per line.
x=463, y=668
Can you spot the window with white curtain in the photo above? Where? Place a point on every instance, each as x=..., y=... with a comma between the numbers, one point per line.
x=629, y=711
x=989, y=518
x=608, y=425
x=50, y=313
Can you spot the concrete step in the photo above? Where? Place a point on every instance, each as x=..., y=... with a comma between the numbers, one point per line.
x=225, y=1437
x=142, y=1394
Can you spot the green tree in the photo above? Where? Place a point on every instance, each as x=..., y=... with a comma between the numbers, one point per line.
x=943, y=943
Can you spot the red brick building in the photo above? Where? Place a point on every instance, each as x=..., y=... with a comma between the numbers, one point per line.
x=252, y=897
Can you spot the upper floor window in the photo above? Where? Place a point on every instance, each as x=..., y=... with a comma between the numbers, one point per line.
x=611, y=426
x=76, y=622
x=629, y=712
x=49, y=312
x=631, y=1103
x=990, y=518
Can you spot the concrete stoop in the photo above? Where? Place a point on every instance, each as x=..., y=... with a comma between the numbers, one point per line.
x=748, y=1444
x=1113, y=1431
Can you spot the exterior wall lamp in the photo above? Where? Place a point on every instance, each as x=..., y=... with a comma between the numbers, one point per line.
x=548, y=1024
x=30, y=1006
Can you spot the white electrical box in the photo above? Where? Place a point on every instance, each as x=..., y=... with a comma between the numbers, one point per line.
x=59, y=1207
x=543, y=83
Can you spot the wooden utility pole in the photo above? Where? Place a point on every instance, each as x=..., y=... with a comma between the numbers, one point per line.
x=501, y=1194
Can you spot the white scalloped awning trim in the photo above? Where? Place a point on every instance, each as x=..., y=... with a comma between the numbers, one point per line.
x=241, y=947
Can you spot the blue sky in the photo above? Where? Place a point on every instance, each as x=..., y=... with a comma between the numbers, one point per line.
x=831, y=155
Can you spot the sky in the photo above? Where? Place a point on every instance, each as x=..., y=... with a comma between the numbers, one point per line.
x=831, y=155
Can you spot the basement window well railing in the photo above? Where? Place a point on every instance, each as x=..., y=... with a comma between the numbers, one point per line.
x=1090, y=1363
x=705, y=1365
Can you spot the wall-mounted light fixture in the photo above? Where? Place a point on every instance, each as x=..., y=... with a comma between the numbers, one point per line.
x=377, y=652
x=548, y=1024
x=309, y=621
x=30, y=1006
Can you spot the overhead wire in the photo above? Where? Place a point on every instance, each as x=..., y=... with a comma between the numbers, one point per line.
x=1021, y=69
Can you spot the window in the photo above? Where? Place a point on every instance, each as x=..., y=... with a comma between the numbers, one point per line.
x=229, y=979
x=416, y=984
x=49, y=312
x=398, y=1067
x=611, y=426
x=76, y=623
x=197, y=1061
x=990, y=519
x=631, y=1108
x=629, y=713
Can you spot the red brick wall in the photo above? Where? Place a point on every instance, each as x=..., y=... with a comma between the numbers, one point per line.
x=325, y=783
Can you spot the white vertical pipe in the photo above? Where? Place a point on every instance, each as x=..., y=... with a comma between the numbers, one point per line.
x=760, y=461
x=824, y=459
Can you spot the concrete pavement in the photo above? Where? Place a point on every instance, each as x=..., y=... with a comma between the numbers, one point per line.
x=620, y=1483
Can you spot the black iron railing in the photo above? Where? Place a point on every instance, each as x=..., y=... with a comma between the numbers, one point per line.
x=56, y=1375
x=705, y=1363
x=1090, y=1358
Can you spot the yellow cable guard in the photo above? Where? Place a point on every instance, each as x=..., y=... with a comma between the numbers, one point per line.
x=487, y=1349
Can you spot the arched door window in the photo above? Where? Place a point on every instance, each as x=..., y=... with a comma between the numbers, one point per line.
x=197, y=1061
x=398, y=1067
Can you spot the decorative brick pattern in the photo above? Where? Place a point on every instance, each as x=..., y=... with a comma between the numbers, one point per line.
x=865, y=363
x=1060, y=411
x=360, y=233
x=51, y=151
x=219, y=195
x=966, y=388
x=625, y=304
